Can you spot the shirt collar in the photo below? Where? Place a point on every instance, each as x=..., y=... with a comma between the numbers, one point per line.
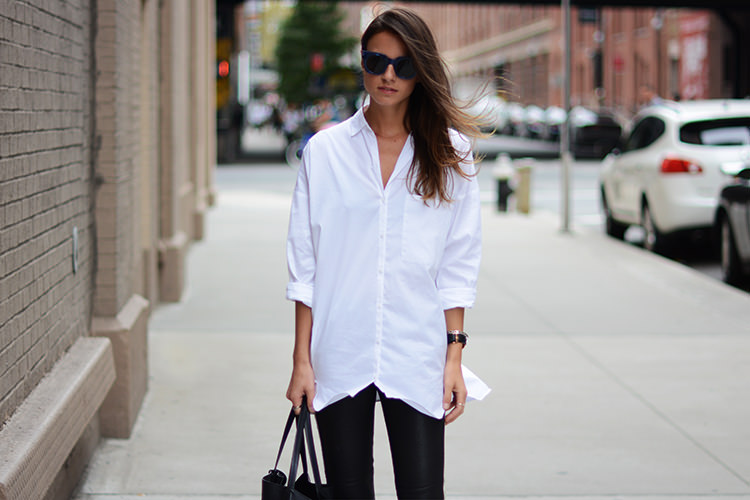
x=358, y=122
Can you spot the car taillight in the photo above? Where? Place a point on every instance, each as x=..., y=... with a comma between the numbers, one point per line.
x=680, y=166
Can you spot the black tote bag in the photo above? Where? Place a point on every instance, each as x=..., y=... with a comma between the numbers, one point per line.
x=274, y=484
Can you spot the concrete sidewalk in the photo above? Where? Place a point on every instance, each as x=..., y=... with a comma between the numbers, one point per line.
x=616, y=374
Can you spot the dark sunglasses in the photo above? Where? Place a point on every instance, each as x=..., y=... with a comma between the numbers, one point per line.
x=376, y=63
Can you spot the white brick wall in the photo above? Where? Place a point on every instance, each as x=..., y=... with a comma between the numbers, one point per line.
x=44, y=188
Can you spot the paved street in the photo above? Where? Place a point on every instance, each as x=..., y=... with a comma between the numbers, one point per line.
x=616, y=374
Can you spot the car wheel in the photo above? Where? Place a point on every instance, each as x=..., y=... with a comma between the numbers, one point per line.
x=731, y=269
x=653, y=239
x=611, y=226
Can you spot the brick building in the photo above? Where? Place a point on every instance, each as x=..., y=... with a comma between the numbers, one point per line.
x=106, y=150
x=671, y=50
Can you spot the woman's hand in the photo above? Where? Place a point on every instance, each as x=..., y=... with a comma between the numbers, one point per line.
x=301, y=384
x=454, y=388
x=454, y=396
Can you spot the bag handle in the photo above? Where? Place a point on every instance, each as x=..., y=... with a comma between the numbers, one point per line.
x=313, y=457
x=302, y=421
x=304, y=429
x=287, y=428
x=304, y=433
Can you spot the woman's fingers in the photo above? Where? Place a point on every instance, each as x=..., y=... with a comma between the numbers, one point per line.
x=454, y=403
x=454, y=395
x=300, y=398
x=458, y=405
x=296, y=400
x=447, y=398
x=301, y=386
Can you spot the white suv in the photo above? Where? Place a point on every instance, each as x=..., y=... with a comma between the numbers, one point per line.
x=668, y=176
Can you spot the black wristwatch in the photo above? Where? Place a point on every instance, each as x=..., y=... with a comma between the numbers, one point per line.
x=457, y=336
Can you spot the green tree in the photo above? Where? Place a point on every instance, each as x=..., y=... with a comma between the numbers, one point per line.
x=309, y=48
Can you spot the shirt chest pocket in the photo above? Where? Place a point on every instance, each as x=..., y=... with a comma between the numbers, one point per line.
x=424, y=231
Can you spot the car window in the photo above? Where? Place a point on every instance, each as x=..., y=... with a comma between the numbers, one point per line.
x=645, y=133
x=724, y=132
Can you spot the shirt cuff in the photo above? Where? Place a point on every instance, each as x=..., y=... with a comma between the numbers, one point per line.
x=457, y=297
x=300, y=292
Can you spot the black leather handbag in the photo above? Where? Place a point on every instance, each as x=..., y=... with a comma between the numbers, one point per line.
x=275, y=485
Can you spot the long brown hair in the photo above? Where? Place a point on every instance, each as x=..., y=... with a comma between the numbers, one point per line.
x=432, y=110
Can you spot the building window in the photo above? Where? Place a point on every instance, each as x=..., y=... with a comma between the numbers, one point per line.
x=674, y=78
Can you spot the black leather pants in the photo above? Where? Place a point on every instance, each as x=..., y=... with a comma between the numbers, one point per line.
x=417, y=447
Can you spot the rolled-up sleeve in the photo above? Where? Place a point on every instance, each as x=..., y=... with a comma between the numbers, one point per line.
x=459, y=267
x=299, y=247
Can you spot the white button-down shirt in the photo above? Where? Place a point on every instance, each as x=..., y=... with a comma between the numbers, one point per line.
x=378, y=267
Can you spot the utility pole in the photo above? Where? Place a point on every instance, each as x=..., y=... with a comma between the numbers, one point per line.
x=565, y=155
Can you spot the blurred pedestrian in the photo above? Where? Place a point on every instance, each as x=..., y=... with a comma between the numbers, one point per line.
x=292, y=118
x=327, y=115
x=383, y=253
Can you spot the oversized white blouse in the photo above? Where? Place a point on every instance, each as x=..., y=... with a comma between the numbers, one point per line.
x=378, y=267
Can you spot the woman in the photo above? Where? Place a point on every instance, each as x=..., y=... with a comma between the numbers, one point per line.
x=383, y=253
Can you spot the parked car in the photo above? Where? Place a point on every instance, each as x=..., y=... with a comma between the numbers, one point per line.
x=514, y=119
x=534, y=121
x=668, y=176
x=593, y=133
x=733, y=225
x=554, y=118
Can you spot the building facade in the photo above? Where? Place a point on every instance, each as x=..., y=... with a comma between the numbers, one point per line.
x=680, y=53
x=106, y=153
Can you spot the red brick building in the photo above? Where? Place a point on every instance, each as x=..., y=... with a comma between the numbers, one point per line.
x=680, y=53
